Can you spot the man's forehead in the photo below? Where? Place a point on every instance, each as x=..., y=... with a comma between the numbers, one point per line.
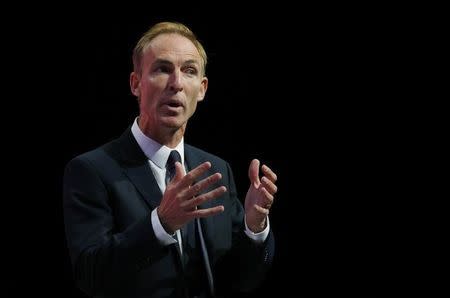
x=170, y=46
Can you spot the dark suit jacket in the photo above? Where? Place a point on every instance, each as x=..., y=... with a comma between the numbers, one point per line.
x=109, y=194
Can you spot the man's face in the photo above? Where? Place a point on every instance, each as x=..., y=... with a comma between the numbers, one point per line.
x=171, y=81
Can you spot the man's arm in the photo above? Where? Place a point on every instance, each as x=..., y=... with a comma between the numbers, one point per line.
x=102, y=257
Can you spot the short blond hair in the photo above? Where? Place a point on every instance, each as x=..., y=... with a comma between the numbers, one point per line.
x=166, y=28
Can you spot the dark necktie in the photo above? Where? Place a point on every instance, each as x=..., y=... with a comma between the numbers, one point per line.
x=170, y=173
x=170, y=165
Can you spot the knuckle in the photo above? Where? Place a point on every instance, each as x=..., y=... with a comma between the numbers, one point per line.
x=198, y=200
x=196, y=188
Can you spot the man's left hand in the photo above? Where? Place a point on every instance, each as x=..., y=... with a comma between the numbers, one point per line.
x=260, y=196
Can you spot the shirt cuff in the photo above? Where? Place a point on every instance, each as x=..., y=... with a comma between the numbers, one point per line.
x=163, y=237
x=257, y=237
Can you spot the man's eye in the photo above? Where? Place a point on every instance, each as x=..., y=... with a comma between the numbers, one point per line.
x=191, y=70
x=162, y=68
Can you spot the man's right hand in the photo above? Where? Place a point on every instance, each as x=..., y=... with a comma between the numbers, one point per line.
x=179, y=203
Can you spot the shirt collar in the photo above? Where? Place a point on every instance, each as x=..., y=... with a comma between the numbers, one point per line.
x=153, y=150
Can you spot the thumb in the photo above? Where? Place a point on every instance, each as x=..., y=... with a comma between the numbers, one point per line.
x=253, y=173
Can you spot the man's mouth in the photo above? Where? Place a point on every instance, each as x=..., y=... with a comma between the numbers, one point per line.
x=173, y=107
x=173, y=103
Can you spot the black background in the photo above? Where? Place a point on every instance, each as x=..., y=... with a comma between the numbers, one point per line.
x=314, y=92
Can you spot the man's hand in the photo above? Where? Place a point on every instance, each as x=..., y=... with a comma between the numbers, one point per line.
x=259, y=197
x=179, y=203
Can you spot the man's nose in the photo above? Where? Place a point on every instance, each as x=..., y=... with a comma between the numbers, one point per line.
x=175, y=83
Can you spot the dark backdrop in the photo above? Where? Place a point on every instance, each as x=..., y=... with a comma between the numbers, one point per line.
x=312, y=92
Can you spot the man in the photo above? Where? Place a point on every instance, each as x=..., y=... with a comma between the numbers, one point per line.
x=149, y=216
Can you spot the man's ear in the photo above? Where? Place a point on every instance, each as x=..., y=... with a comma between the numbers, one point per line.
x=134, y=84
x=203, y=88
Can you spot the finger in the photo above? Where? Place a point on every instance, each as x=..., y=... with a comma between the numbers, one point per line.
x=253, y=172
x=178, y=172
x=268, y=198
x=189, y=204
x=207, y=212
x=201, y=185
x=269, y=185
x=261, y=209
x=269, y=173
x=190, y=177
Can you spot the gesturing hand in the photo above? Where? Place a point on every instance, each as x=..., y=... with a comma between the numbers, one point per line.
x=259, y=197
x=179, y=203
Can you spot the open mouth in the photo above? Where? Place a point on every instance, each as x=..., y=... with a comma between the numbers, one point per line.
x=174, y=104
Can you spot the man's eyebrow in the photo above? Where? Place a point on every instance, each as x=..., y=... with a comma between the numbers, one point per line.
x=191, y=61
x=162, y=61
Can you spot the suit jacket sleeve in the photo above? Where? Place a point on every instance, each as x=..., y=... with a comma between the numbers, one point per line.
x=247, y=262
x=103, y=258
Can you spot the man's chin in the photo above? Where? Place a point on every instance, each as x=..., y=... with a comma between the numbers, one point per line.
x=173, y=124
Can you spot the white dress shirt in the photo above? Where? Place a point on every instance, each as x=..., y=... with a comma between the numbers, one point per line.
x=157, y=155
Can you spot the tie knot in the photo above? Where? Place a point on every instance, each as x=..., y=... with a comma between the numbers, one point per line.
x=170, y=165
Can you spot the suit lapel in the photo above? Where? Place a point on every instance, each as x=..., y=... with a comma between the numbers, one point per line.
x=142, y=177
x=136, y=167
